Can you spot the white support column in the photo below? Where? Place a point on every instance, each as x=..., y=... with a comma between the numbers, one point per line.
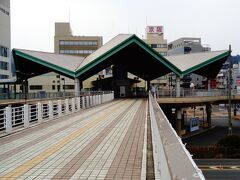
x=78, y=103
x=26, y=115
x=50, y=109
x=83, y=102
x=8, y=120
x=67, y=106
x=39, y=106
x=209, y=85
x=73, y=104
x=59, y=107
x=177, y=86
x=77, y=86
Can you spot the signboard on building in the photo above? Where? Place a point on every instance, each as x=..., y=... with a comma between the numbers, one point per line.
x=194, y=124
x=154, y=29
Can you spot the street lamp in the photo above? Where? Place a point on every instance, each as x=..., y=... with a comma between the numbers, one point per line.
x=229, y=93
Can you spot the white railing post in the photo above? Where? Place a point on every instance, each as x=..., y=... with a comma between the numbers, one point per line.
x=73, y=104
x=66, y=106
x=83, y=102
x=87, y=101
x=78, y=103
x=8, y=120
x=59, y=107
x=50, y=109
x=39, y=107
x=26, y=115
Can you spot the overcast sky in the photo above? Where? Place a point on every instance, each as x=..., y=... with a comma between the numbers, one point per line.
x=217, y=22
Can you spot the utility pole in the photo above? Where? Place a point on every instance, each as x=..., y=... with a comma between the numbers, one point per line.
x=229, y=93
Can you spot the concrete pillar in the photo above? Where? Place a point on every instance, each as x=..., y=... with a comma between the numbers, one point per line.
x=209, y=112
x=77, y=86
x=178, y=121
x=177, y=86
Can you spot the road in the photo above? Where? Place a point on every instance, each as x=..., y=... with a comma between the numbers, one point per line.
x=215, y=169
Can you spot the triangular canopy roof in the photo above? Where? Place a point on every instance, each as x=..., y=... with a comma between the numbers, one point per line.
x=125, y=49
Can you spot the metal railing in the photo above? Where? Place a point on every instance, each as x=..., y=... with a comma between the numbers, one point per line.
x=194, y=93
x=171, y=158
x=48, y=95
x=25, y=115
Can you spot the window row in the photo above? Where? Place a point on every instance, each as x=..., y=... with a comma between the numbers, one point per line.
x=158, y=45
x=3, y=65
x=76, y=51
x=78, y=43
x=4, y=51
x=3, y=76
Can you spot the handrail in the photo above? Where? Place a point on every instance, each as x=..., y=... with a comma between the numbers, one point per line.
x=194, y=92
x=171, y=158
x=22, y=116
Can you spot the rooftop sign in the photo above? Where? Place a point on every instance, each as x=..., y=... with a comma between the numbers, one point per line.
x=154, y=29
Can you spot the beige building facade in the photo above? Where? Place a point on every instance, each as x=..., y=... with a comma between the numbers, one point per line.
x=155, y=39
x=66, y=43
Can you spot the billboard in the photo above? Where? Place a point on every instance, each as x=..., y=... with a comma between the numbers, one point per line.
x=154, y=29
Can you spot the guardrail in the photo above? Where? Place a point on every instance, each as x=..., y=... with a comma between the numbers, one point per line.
x=13, y=118
x=195, y=93
x=171, y=158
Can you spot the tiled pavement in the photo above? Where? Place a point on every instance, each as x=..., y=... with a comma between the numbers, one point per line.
x=104, y=142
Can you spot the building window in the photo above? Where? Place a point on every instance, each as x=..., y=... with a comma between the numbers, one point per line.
x=68, y=86
x=53, y=87
x=3, y=65
x=35, y=87
x=4, y=51
x=77, y=43
x=3, y=76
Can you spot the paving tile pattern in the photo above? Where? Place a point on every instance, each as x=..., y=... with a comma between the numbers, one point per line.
x=105, y=142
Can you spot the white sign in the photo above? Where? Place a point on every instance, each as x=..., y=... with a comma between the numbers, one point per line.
x=154, y=29
x=194, y=124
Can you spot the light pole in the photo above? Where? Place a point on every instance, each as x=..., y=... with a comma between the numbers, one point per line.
x=229, y=93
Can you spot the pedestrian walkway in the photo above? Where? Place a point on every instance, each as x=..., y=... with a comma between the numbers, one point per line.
x=104, y=142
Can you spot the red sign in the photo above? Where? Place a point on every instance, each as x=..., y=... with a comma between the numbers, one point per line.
x=154, y=29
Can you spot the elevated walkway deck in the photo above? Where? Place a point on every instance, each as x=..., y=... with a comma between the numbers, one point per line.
x=105, y=142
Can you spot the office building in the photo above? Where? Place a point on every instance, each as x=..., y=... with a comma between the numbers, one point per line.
x=5, y=41
x=187, y=45
x=66, y=43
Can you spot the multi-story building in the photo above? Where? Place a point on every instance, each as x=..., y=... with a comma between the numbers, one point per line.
x=5, y=41
x=66, y=43
x=155, y=39
x=188, y=45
